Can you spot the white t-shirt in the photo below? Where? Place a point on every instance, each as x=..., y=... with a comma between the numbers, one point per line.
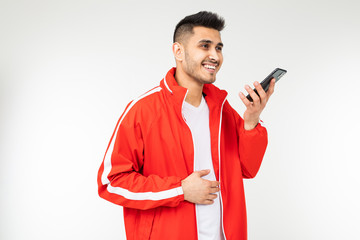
x=208, y=216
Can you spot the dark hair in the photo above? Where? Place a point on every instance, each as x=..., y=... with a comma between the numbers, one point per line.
x=203, y=18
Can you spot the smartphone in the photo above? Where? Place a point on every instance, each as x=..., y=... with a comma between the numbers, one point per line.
x=277, y=74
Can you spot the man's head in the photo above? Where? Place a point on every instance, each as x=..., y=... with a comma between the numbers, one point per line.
x=197, y=46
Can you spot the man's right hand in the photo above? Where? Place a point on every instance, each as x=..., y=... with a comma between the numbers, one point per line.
x=199, y=190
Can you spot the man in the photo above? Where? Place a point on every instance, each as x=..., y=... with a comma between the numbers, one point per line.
x=180, y=152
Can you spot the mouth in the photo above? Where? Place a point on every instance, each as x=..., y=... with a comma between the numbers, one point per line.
x=210, y=67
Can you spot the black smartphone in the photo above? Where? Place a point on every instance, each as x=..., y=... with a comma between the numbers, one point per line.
x=277, y=74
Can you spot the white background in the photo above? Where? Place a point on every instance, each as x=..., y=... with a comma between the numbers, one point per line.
x=68, y=69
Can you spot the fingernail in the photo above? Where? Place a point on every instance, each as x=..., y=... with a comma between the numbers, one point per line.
x=256, y=83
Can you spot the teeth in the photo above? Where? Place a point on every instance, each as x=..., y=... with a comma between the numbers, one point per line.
x=209, y=67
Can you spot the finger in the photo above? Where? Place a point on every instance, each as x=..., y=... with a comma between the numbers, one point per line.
x=244, y=99
x=203, y=172
x=215, y=184
x=252, y=93
x=212, y=196
x=207, y=202
x=214, y=190
x=261, y=91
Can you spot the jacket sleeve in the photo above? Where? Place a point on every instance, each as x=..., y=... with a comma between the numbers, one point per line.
x=252, y=146
x=120, y=178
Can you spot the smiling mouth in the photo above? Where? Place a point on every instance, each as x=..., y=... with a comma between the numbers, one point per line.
x=210, y=67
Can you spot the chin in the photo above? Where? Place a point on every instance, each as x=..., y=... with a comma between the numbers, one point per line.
x=212, y=79
x=209, y=81
x=205, y=78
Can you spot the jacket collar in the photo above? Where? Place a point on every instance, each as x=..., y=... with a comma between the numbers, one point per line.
x=173, y=89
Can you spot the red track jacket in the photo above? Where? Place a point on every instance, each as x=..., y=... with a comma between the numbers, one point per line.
x=152, y=151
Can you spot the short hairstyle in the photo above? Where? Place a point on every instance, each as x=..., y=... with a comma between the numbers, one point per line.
x=203, y=19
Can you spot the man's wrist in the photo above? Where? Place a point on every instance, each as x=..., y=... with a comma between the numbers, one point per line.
x=250, y=125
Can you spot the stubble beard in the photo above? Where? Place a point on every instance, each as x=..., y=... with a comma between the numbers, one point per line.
x=190, y=69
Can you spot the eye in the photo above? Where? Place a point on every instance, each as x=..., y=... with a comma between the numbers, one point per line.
x=219, y=48
x=205, y=46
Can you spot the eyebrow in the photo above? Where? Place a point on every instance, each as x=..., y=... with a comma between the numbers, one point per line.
x=211, y=42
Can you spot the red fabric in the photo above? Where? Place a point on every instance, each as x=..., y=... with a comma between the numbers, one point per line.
x=153, y=152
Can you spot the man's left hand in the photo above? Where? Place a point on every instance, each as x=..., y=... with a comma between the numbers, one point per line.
x=254, y=109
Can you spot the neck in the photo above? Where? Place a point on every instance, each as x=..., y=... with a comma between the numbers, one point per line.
x=195, y=88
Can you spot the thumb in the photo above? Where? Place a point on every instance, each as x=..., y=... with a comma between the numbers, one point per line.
x=204, y=172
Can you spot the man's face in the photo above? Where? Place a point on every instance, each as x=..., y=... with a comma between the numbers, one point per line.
x=203, y=55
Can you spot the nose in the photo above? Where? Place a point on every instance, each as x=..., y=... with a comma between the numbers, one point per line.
x=212, y=58
x=214, y=55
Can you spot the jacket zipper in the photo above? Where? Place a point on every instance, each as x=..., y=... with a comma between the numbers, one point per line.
x=221, y=201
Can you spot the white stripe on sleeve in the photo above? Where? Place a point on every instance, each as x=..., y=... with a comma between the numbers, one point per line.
x=145, y=195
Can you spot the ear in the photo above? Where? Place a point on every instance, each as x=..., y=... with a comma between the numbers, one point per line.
x=178, y=51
